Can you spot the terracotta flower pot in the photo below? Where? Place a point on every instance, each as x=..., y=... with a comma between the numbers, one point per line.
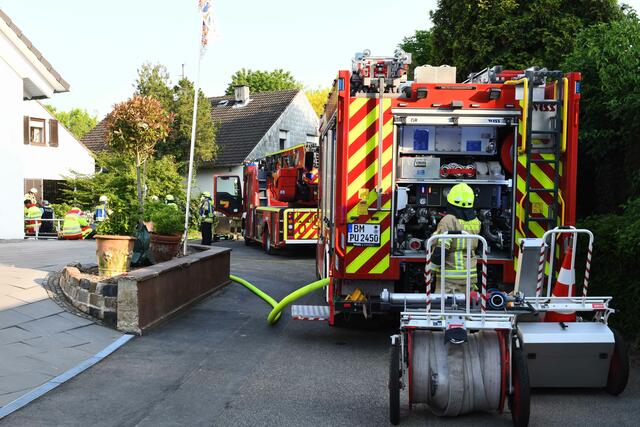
x=164, y=247
x=114, y=254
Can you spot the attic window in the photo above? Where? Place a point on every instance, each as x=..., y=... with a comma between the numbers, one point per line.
x=223, y=103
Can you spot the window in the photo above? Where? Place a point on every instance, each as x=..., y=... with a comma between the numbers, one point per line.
x=37, y=134
x=284, y=134
x=312, y=140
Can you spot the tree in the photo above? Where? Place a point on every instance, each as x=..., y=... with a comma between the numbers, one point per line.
x=318, y=99
x=608, y=56
x=515, y=34
x=154, y=81
x=262, y=81
x=134, y=129
x=420, y=45
x=77, y=120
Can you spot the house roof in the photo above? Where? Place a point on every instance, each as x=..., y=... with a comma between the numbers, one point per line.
x=96, y=139
x=241, y=128
x=64, y=86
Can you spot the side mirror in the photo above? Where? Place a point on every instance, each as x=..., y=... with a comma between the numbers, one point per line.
x=227, y=195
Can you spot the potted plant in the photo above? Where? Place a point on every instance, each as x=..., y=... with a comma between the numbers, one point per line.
x=114, y=244
x=150, y=209
x=167, y=232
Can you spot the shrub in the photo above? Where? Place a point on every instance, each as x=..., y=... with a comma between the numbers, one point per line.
x=167, y=220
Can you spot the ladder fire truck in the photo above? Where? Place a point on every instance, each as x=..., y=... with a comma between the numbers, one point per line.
x=280, y=198
x=390, y=152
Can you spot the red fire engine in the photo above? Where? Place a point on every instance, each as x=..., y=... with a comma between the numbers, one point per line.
x=391, y=150
x=280, y=198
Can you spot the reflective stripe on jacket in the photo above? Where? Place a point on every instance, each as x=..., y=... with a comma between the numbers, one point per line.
x=206, y=210
x=456, y=249
x=33, y=214
x=72, y=226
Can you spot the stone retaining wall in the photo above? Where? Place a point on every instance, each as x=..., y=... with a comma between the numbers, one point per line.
x=141, y=299
x=89, y=294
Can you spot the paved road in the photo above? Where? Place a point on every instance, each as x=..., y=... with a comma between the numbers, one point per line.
x=220, y=364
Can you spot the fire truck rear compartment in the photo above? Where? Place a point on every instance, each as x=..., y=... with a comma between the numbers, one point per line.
x=432, y=159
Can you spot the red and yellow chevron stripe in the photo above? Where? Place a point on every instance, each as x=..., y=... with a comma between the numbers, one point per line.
x=305, y=225
x=362, y=177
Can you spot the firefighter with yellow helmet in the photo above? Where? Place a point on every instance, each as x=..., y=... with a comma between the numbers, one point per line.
x=460, y=217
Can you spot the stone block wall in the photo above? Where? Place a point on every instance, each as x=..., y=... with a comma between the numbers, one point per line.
x=89, y=294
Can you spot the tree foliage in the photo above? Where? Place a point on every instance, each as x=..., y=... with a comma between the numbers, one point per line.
x=154, y=80
x=134, y=128
x=262, y=81
x=608, y=55
x=420, y=45
x=515, y=34
x=77, y=120
x=318, y=99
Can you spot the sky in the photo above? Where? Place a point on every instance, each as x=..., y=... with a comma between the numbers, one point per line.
x=97, y=46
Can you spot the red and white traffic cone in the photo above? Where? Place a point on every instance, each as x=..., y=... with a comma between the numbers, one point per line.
x=566, y=280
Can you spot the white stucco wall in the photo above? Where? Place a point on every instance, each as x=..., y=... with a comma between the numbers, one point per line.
x=11, y=180
x=45, y=162
x=204, y=177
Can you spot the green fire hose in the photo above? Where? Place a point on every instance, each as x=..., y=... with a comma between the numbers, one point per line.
x=276, y=311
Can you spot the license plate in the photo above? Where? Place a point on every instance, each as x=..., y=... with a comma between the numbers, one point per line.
x=363, y=234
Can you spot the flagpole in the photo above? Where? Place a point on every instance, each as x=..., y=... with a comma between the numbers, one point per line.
x=191, y=152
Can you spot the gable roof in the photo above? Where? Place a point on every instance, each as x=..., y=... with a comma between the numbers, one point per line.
x=63, y=86
x=241, y=128
x=96, y=139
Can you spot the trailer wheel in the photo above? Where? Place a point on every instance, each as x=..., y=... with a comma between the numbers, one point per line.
x=394, y=384
x=619, y=367
x=520, y=398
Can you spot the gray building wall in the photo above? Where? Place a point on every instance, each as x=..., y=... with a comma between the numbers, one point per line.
x=299, y=120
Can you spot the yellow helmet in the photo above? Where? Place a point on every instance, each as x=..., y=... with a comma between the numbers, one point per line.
x=461, y=195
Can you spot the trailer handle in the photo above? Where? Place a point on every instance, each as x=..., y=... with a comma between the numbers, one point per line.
x=427, y=268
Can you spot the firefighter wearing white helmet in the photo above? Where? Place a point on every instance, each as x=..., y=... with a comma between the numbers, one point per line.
x=170, y=200
x=460, y=216
x=101, y=212
x=206, y=217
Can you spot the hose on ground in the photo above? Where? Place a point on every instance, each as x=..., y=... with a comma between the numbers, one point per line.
x=276, y=311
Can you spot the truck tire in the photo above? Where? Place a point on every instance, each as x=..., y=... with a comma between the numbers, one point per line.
x=520, y=398
x=619, y=367
x=394, y=384
x=266, y=242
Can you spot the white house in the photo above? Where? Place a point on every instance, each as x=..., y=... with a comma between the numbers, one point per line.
x=249, y=126
x=36, y=150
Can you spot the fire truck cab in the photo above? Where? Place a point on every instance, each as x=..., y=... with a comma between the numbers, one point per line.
x=392, y=149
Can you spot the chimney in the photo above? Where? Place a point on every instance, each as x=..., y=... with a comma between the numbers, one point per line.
x=242, y=94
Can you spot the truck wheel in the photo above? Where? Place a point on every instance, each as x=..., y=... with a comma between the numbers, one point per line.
x=520, y=399
x=619, y=367
x=394, y=384
x=266, y=242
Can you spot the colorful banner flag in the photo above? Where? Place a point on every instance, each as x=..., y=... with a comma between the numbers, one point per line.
x=207, y=20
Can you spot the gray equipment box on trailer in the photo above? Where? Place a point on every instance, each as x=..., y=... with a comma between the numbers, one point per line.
x=578, y=356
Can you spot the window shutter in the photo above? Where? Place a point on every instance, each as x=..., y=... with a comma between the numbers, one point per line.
x=26, y=130
x=53, y=133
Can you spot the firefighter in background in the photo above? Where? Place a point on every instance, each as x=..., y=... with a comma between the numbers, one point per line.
x=75, y=226
x=154, y=199
x=170, y=200
x=460, y=217
x=32, y=196
x=32, y=215
x=47, y=214
x=206, y=218
x=101, y=212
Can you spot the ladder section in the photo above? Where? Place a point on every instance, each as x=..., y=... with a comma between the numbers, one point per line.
x=542, y=201
x=262, y=187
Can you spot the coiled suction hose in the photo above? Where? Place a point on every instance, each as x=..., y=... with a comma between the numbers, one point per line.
x=276, y=311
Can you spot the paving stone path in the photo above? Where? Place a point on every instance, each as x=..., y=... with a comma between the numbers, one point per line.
x=40, y=335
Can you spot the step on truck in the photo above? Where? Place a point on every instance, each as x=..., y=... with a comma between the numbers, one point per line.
x=279, y=198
